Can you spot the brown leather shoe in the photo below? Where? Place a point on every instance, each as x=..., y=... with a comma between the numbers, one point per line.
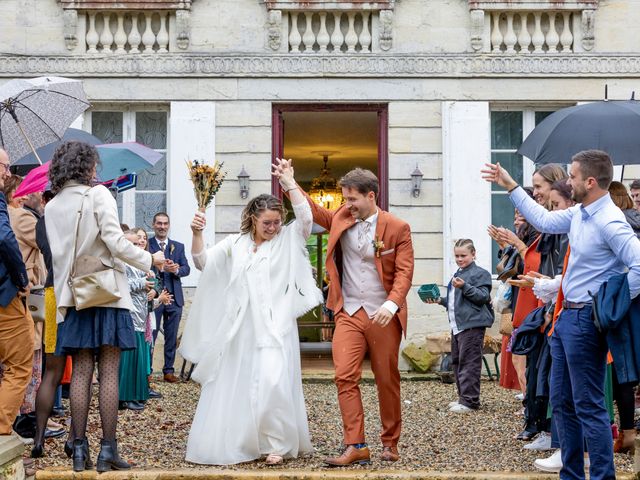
x=171, y=378
x=350, y=456
x=390, y=454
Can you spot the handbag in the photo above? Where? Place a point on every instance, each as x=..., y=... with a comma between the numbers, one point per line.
x=509, y=264
x=506, y=323
x=93, y=281
x=35, y=304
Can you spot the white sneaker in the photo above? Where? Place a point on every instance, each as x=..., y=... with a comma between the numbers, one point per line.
x=459, y=408
x=541, y=442
x=552, y=464
x=454, y=403
x=519, y=396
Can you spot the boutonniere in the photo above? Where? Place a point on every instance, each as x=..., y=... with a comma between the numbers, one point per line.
x=378, y=245
x=171, y=249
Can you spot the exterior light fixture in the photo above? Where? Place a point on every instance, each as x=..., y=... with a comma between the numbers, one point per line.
x=243, y=181
x=416, y=182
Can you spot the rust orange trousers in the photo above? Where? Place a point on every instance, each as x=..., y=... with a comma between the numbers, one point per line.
x=16, y=353
x=354, y=336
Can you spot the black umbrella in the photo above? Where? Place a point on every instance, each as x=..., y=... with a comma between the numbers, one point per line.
x=46, y=153
x=611, y=126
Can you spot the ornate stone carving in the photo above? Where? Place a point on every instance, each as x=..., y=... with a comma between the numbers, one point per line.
x=70, y=18
x=386, y=30
x=183, y=28
x=588, y=29
x=274, y=29
x=477, y=29
x=318, y=65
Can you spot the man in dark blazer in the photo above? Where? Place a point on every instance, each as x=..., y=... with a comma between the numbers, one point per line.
x=16, y=325
x=176, y=267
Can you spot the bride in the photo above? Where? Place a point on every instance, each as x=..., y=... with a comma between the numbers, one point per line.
x=242, y=334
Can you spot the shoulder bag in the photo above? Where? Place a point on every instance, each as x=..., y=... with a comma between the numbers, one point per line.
x=93, y=281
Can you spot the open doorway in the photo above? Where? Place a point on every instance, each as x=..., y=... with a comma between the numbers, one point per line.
x=333, y=138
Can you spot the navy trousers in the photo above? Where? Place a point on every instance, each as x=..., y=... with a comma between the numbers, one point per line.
x=578, y=369
x=169, y=316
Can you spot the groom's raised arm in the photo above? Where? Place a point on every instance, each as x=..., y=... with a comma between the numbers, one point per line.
x=283, y=171
x=321, y=215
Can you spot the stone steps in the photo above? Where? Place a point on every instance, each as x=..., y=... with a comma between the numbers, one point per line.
x=277, y=474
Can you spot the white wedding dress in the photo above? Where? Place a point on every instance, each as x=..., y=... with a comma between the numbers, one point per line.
x=242, y=334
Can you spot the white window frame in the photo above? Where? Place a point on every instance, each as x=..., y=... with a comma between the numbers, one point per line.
x=528, y=124
x=129, y=135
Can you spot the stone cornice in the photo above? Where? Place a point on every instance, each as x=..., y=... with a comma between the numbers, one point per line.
x=329, y=4
x=126, y=4
x=299, y=66
x=508, y=5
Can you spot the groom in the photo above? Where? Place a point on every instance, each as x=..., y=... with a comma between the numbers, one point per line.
x=370, y=267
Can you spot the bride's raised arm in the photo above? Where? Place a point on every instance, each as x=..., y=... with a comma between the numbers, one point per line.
x=198, y=252
x=283, y=171
x=202, y=255
x=302, y=210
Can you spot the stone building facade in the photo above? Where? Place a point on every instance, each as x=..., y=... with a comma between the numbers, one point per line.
x=454, y=83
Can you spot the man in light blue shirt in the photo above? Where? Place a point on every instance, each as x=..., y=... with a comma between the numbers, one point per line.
x=602, y=244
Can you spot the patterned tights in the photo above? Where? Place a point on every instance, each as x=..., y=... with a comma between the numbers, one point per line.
x=80, y=392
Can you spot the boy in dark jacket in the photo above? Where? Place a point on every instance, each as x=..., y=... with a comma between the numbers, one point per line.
x=468, y=304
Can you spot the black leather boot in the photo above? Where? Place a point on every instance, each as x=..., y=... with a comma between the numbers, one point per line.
x=81, y=459
x=108, y=458
x=68, y=448
x=37, y=451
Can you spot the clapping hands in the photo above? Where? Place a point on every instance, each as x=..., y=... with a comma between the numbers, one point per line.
x=165, y=298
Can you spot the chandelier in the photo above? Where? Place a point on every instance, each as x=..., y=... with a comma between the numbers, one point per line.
x=324, y=188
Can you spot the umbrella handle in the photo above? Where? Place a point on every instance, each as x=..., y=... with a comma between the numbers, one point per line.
x=27, y=139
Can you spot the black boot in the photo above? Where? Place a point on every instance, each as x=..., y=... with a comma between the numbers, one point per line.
x=37, y=451
x=108, y=458
x=81, y=460
x=68, y=448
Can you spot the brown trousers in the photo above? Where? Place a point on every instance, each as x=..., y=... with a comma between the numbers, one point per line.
x=353, y=337
x=16, y=354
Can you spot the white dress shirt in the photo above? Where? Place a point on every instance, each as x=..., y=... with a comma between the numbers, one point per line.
x=602, y=243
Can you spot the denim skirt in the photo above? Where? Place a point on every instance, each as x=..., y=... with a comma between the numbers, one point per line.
x=94, y=327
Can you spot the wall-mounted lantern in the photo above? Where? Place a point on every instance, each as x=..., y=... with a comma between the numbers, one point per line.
x=416, y=182
x=243, y=180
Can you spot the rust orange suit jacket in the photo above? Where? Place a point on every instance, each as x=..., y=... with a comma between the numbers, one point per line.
x=394, y=265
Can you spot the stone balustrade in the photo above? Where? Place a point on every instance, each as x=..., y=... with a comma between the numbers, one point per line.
x=526, y=32
x=330, y=32
x=126, y=26
x=127, y=32
x=530, y=27
x=330, y=26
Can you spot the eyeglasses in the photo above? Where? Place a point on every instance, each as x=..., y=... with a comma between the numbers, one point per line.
x=269, y=224
x=6, y=166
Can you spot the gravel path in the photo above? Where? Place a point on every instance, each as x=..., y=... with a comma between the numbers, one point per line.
x=432, y=438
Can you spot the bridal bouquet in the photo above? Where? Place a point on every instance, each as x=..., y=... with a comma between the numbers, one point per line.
x=207, y=180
